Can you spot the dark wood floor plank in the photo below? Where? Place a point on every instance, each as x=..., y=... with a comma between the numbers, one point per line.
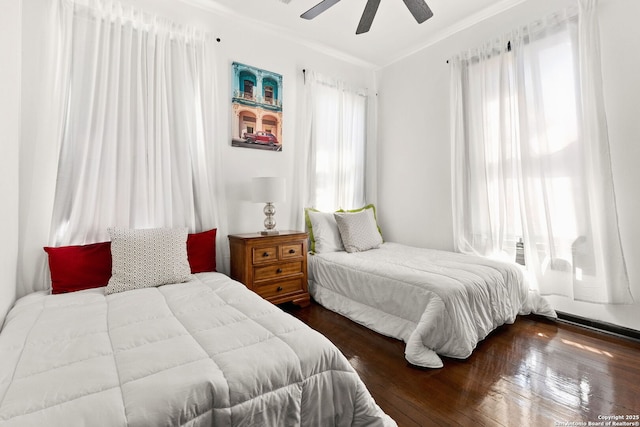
x=535, y=372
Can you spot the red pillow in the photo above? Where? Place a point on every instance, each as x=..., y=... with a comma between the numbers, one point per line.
x=74, y=268
x=201, y=251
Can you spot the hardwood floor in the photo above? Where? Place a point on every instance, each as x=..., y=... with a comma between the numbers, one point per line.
x=535, y=372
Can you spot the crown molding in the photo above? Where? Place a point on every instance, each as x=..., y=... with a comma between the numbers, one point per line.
x=225, y=12
x=462, y=25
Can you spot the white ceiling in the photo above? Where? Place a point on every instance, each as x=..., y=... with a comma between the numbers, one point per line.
x=393, y=35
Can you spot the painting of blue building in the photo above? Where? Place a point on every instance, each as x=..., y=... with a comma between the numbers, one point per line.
x=257, y=108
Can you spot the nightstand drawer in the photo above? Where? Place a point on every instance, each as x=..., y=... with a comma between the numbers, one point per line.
x=277, y=270
x=293, y=250
x=260, y=255
x=280, y=288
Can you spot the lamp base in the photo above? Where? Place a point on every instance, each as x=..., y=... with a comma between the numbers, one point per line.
x=270, y=221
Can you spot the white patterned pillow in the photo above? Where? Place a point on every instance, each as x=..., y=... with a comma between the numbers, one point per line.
x=146, y=258
x=358, y=230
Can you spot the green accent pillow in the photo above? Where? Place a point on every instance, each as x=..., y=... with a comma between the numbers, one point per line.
x=324, y=235
x=307, y=222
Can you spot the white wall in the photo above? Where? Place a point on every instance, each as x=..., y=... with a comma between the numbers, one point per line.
x=241, y=41
x=10, y=46
x=414, y=146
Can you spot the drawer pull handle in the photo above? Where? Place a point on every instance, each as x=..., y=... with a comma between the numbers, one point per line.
x=292, y=251
x=266, y=254
x=279, y=270
x=279, y=288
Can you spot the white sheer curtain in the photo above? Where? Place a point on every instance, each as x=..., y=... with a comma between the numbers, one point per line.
x=331, y=157
x=132, y=114
x=531, y=157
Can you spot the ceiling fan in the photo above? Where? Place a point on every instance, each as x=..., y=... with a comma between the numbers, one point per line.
x=418, y=9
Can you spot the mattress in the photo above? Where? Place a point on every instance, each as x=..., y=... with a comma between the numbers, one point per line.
x=205, y=352
x=438, y=302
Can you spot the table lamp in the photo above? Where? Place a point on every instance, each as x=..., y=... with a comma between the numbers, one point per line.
x=266, y=189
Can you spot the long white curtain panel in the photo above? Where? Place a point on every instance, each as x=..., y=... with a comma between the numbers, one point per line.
x=137, y=124
x=531, y=157
x=333, y=147
x=127, y=119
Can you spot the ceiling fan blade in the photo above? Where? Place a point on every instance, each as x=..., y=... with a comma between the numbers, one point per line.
x=419, y=10
x=369, y=13
x=318, y=9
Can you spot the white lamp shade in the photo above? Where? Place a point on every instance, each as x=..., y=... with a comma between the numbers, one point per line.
x=267, y=189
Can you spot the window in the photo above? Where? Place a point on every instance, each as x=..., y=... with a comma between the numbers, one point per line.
x=135, y=151
x=248, y=89
x=337, y=144
x=268, y=95
x=526, y=165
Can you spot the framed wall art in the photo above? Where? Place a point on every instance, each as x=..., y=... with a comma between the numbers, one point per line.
x=256, y=108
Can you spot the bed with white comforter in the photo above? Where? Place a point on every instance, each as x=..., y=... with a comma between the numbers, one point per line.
x=204, y=352
x=439, y=303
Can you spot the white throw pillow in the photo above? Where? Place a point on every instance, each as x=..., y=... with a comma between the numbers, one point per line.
x=324, y=232
x=358, y=230
x=146, y=258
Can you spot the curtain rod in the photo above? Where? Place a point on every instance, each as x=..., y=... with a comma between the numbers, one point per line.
x=508, y=49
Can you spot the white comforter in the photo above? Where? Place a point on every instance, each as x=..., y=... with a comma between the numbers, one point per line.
x=206, y=352
x=437, y=302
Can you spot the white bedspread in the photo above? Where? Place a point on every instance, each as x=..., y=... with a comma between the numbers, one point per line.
x=206, y=352
x=437, y=302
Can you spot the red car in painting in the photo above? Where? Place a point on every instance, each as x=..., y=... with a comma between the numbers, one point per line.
x=261, y=137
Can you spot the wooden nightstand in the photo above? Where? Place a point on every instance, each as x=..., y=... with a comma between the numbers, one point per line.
x=274, y=267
